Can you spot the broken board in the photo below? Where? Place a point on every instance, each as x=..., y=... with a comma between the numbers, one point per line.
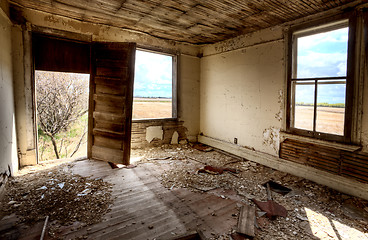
x=246, y=220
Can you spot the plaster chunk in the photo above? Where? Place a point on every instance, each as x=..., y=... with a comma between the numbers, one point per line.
x=154, y=132
x=175, y=138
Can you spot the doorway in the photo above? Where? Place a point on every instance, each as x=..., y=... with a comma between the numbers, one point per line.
x=62, y=114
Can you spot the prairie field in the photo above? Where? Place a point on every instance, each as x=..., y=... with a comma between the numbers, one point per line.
x=144, y=108
x=329, y=119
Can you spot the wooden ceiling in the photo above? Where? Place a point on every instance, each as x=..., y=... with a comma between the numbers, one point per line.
x=191, y=21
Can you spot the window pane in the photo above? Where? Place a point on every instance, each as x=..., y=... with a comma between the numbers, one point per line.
x=331, y=107
x=152, y=86
x=323, y=54
x=304, y=105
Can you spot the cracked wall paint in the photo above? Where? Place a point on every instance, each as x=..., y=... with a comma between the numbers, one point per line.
x=240, y=93
x=280, y=114
x=271, y=138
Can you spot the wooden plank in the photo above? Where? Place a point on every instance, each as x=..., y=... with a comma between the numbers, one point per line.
x=109, y=99
x=107, y=154
x=110, y=126
x=106, y=89
x=108, y=134
x=109, y=117
x=112, y=72
x=107, y=142
x=104, y=108
x=104, y=80
x=246, y=220
x=111, y=62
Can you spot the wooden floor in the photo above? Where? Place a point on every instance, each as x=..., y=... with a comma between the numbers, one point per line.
x=144, y=209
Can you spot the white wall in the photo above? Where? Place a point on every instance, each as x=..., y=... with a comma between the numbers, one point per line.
x=242, y=91
x=8, y=146
x=188, y=94
x=243, y=87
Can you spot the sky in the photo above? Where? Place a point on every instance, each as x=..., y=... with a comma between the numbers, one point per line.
x=319, y=55
x=153, y=75
x=322, y=55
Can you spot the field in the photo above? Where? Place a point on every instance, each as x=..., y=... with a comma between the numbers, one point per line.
x=329, y=119
x=152, y=108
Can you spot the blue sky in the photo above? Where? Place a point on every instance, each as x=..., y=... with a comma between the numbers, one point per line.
x=322, y=55
x=153, y=75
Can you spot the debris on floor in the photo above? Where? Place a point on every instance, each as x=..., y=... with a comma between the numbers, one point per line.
x=272, y=208
x=278, y=188
x=216, y=170
x=313, y=211
x=297, y=196
x=118, y=165
x=202, y=147
x=246, y=220
x=57, y=193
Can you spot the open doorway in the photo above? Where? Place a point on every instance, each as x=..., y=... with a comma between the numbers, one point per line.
x=62, y=114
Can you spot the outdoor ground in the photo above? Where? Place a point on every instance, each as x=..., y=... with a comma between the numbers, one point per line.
x=152, y=108
x=166, y=196
x=329, y=119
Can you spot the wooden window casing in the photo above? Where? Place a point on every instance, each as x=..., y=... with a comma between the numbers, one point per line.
x=311, y=28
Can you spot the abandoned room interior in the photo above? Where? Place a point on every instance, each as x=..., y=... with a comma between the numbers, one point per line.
x=264, y=134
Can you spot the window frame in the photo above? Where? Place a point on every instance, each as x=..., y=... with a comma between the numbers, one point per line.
x=314, y=27
x=174, y=109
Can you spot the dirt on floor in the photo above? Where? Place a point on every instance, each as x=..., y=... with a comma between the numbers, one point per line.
x=52, y=190
x=313, y=211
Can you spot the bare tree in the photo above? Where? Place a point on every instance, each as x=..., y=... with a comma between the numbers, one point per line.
x=61, y=100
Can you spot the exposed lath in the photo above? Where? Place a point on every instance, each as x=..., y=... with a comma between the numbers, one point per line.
x=192, y=21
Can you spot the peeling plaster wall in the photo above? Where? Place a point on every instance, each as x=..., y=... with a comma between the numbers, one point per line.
x=188, y=94
x=8, y=143
x=242, y=91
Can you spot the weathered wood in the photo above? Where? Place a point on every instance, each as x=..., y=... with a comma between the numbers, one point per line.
x=109, y=117
x=186, y=21
x=246, y=220
x=112, y=100
x=107, y=154
x=107, y=142
x=337, y=161
x=108, y=89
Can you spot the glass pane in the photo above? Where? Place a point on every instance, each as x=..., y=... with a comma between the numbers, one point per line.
x=152, y=86
x=304, y=105
x=323, y=54
x=331, y=107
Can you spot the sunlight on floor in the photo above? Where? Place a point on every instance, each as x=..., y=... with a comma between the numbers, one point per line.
x=327, y=228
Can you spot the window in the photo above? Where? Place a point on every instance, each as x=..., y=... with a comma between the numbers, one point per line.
x=319, y=82
x=154, y=90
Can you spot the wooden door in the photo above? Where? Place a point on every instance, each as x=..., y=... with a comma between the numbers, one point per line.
x=111, y=99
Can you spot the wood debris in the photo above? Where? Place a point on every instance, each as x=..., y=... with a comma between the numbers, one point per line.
x=58, y=194
x=246, y=220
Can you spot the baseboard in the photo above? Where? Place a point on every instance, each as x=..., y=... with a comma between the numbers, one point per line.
x=339, y=183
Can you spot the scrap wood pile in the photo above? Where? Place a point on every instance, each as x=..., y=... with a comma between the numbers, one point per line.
x=59, y=194
x=286, y=214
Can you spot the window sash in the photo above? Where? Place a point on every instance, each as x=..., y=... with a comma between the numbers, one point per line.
x=343, y=20
x=315, y=82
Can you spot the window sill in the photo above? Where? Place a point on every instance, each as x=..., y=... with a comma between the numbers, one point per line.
x=341, y=146
x=153, y=120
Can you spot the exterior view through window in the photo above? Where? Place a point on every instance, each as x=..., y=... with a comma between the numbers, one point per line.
x=319, y=80
x=153, y=86
x=62, y=114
